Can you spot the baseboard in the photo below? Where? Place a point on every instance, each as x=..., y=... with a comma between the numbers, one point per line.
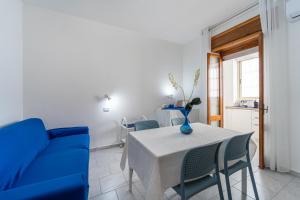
x=295, y=173
x=120, y=144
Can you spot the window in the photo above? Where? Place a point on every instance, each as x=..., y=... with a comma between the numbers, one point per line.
x=249, y=78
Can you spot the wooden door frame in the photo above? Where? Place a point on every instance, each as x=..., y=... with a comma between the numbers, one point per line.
x=221, y=119
x=236, y=39
x=261, y=145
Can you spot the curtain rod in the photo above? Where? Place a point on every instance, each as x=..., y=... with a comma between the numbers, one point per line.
x=233, y=16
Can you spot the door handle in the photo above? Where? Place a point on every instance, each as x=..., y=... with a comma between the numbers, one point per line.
x=266, y=109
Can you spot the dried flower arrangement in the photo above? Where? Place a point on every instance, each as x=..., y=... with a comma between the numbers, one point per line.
x=188, y=102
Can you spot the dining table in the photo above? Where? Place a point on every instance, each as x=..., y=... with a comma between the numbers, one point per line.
x=156, y=155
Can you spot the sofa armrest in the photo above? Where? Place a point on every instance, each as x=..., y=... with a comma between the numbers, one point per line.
x=61, y=132
x=71, y=187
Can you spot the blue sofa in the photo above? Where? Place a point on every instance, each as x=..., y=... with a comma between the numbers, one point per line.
x=40, y=164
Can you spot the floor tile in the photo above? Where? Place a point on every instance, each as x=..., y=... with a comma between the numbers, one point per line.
x=93, y=162
x=283, y=178
x=171, y=194
x=269, y=182
x=124, y=194
x=112, y=182
x=236, y=195
x=263, y=192
x=106, y=196
x=209, y=193
x=290, y=192
x=238, y=175
x=98, y=172
x=114, y=167
x=94, y=188
x=232, y=181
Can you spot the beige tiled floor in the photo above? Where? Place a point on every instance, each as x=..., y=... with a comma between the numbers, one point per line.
x=109, y=182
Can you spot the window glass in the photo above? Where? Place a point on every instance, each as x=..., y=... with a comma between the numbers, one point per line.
x=249, y=78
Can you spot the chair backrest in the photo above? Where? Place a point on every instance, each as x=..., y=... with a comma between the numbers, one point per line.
x=146, y=124
x=237, y=147
x=177, y=121
x=200, y=161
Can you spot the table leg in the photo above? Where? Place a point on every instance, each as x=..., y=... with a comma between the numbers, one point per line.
x=130, y=179
x=244, y=180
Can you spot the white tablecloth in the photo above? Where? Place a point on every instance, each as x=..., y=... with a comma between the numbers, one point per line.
x=156, y=155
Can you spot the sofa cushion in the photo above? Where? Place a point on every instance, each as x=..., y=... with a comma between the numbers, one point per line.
x=68, y=142
x=56, y=165
x=20, y=143
x=62, y=132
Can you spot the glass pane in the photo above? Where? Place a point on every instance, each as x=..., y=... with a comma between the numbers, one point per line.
x=250, y=78
x=215, y=123
x=214, y=89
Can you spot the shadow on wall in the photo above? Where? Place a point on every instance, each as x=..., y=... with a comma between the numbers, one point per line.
x=105, y=133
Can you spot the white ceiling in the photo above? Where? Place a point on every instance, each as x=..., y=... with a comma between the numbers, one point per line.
x=178, y=21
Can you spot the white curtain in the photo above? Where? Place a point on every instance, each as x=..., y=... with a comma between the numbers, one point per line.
x=274, y=25
x=205, y=48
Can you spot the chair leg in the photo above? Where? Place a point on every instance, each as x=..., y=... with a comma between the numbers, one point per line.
x=228, y=186
x=130, y=179
x=220, y=186
x=252, y=179
x=182, y=196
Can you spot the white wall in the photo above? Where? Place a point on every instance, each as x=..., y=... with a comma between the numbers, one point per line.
x=294, y=93
x=228, y=82
x=70, y=60
x=228, y=98
x=10, y=61
x=190, y=63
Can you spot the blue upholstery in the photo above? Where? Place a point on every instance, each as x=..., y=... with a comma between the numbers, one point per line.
x=68, y=142
x=63, y=188
x=62, y=164
x=40, y=164
x=61, y=132
x=19, y=145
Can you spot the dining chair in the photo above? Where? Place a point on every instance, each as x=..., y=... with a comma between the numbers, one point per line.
x=199, y=171
x=177, y=121
x=237, y=149
x=145, y=124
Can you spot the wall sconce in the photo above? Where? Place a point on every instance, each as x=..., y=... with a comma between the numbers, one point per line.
x=107, y=103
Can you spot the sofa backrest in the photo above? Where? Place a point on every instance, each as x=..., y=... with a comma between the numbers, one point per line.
x=19, y=145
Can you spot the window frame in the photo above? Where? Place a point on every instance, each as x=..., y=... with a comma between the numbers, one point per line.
x=239, y=80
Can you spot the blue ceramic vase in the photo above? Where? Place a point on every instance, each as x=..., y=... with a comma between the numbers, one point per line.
x=185, y=127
